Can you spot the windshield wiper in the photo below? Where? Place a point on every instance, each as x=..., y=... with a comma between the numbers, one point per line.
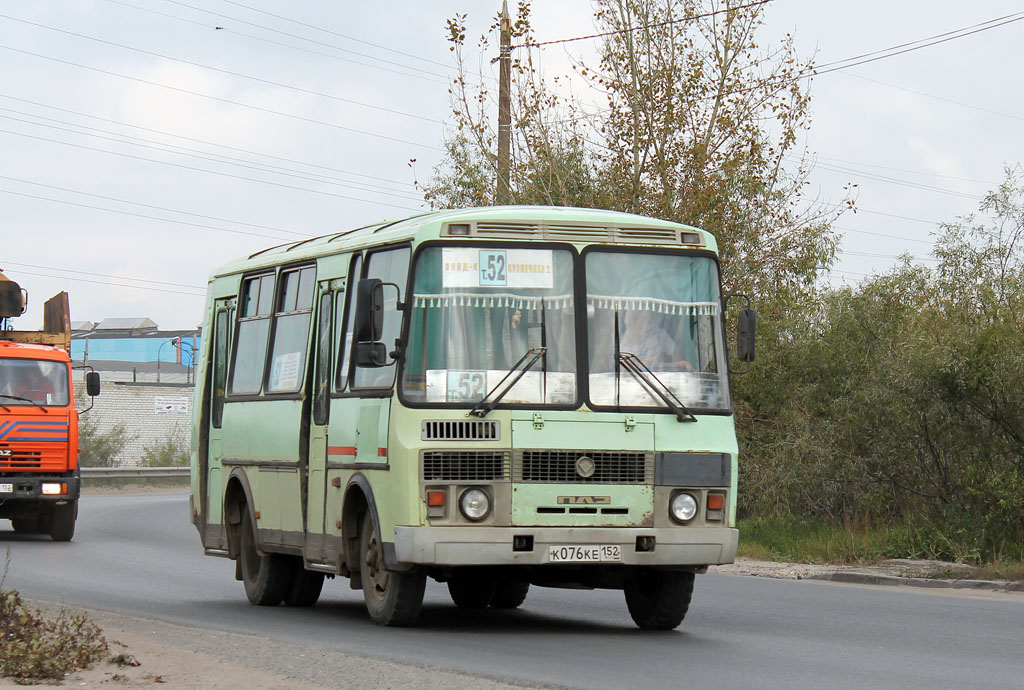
x=642, y=373
x=18, y=397
x=483, y=407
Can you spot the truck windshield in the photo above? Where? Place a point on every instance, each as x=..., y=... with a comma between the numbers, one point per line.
x=664, y=309
x=33, y=382
x=475, y=311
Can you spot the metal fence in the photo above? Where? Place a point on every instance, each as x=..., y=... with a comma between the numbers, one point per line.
x=133, y=472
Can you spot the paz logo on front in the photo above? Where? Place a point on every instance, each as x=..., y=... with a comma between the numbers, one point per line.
x=584, y=500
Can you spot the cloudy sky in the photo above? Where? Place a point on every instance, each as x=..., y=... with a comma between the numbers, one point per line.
x=140, y=146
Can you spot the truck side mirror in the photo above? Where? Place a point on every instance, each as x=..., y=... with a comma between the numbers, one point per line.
x=745, y=335
x=369, y=310
x=92, y=383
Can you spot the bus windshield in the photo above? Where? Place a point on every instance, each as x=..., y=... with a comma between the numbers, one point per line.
x=477, y=311
x=665, y=311
x=33, y=382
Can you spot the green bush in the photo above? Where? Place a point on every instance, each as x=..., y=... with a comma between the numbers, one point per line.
x=168, y=453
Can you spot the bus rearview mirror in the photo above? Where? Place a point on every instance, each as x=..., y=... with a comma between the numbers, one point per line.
x=369, y=310
x=745, y=335
x=371, y=355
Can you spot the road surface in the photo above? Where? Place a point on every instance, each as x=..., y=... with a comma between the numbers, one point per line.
x=138, y=555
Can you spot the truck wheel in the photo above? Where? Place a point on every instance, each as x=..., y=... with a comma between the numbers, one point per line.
x=658, y=600
x=306, y=586
x=267, y=577
x=510, y=594
x=25, y=525
x=392, y=598
x=471, y=592
x=62, y=521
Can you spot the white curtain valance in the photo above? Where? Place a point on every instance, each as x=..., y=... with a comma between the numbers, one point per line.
x=654, y=304
x=491, y=300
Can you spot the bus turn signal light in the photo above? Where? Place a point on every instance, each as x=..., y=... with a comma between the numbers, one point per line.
x=435, y=498
x=716, y=501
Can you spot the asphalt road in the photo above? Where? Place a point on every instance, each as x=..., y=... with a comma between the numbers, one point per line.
x=138, y=555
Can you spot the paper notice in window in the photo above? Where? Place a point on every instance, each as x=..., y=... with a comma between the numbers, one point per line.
x=464, y=267
x=284, y=376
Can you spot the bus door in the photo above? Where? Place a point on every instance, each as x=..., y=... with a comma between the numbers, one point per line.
x=211, y=490
x=323, y=339
x=376, y=383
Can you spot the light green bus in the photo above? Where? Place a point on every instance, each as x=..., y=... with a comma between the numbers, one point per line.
x=493, y=397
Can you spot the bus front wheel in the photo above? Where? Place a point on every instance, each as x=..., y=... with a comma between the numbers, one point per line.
x=267, y=577
x=392, y=598
x=658, y=600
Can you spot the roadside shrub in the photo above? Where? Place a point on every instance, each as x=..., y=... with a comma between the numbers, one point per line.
x=98, y=448
x=170, y=452
x=39, y=649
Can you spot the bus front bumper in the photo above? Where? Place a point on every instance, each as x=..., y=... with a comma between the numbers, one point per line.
x=456, y=546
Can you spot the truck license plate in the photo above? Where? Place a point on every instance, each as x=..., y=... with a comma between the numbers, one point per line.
x=605, y=553
x=6, y=488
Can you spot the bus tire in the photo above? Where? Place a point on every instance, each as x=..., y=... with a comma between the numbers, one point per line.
x=306, y=586
x=62, y=521
x=267, y=577
x=659, y=600
x=471, y=592
x=510, y=594
x=392, y=598
x=25, y=525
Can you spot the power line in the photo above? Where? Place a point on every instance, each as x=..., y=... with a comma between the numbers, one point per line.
x=654, y=25
x=938, y=98
x=335, y=33
x=303, y=38
x=911, y=46
x=137, y=215
x=882, y=234
x=211, y=172
x=253, y=37
x=890, y=180
x=155, y=208
x=103, y=282
x=198, y=141
x=228, y=160
x=221, y=100
x=106, y=275
x=224, y=71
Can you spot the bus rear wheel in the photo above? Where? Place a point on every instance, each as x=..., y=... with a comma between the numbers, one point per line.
x=471, y=592
x=392, y=598
x=267, y=577
x=510, y=594
x=62, y=521
x=659, y=600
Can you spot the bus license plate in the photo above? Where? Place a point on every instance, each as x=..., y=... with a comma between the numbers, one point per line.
x=605, y=553
x=6, y=488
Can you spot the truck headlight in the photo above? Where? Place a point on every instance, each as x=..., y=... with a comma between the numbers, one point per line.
x=475, y=504
x=682, y=507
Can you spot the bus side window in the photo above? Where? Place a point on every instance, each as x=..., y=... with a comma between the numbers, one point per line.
x=220, y=365
x=391, y=266
x=254, y=318
x=344, y=363
x=291, y=331
x=321, y=387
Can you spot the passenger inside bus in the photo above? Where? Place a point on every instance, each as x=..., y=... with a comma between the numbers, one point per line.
x=646, y=337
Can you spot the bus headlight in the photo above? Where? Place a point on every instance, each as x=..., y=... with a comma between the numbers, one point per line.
x=475, y=504
x=683, y=507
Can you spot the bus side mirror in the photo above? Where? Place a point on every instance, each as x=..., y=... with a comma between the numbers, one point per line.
x=369, y=310
x=745, y=335
x=371, y=355
x=92, y=383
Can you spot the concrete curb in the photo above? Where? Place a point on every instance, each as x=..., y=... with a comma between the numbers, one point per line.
x=929, y=583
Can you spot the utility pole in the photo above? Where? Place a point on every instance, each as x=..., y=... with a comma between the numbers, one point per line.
x=503, y=195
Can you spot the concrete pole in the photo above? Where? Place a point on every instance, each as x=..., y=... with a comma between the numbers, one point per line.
x=504, y=195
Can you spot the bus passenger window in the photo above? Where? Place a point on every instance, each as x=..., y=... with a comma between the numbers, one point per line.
x=253, y=330
x=291, y=331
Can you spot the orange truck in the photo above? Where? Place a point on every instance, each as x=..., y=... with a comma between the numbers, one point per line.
x=40, y=479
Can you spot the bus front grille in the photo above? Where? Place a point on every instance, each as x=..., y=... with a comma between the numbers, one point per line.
x=460, y=430
x=583, y=467
x=464, y=465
